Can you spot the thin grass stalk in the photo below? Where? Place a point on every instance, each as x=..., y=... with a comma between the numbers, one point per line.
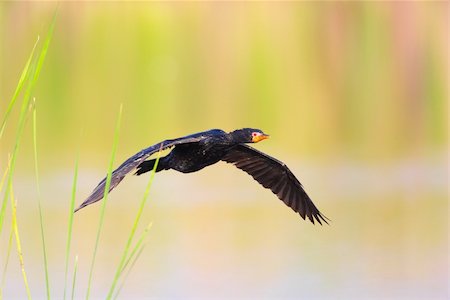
x=133, y=230
x=16, y=148
x=41, y=219
x=105, y=197
x=122, y=284
x=71, y=213
x=36, y=66
x=75, y=268
x=23, y=77
x=133, y=257
x=43, y=53
x=137, y=246
x=5, y=173
x=5, y=268
x=18, y=244
x=2, y=181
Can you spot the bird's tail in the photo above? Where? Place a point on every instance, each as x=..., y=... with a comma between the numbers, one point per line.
x=98, y=193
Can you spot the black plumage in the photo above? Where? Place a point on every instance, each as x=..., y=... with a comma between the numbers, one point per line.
x=194, y=152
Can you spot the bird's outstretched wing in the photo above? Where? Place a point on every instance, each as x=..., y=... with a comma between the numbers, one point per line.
x=276, y=176
x=131, y=163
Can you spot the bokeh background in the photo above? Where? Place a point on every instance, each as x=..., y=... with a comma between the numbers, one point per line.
x=353, y=94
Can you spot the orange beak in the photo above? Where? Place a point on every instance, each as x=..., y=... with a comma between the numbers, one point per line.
x=260, y=137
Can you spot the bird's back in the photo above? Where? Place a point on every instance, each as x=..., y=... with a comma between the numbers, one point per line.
x=192, y=157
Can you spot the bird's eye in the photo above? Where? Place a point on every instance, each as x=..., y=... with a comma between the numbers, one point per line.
x=254, y=133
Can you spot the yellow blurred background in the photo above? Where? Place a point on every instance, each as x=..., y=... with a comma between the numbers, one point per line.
x=354, y=96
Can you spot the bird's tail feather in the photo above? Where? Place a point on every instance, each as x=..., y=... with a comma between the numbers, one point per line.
x=98, y=193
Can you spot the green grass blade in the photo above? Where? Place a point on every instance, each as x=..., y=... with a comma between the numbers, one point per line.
x=12, y=166
x=74, y=276
x=43, y=53
x=41, y=219
x=71, y=213
x=16, y=147
x=133, y=230
x=5, y=268
x=133, y=257
x=140, y=249
x=105, y=197
x=137, y=246
x=27, y=80
x=34, y=69
x=4, y=174
x=22, y=79
x=2, y=181
x=18, y=244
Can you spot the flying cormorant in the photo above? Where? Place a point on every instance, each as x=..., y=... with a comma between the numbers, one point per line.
x=194, y=152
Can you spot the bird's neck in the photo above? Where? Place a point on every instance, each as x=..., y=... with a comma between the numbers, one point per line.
x=237, y=136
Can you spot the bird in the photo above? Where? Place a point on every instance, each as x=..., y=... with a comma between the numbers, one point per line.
x=194, y=152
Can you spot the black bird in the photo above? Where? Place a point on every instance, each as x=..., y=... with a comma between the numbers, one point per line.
x=194, y=152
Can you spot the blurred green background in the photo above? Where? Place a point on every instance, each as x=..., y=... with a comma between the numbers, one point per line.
x=354, y=96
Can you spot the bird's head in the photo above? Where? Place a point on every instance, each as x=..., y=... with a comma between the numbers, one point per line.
x=249, y=135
